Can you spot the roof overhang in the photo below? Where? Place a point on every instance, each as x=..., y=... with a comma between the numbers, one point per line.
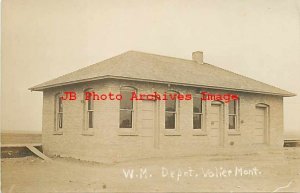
x=41, y=88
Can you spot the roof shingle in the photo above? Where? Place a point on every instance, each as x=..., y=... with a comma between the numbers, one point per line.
x=141, y=66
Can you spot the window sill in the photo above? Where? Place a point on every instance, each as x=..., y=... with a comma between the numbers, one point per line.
x=127, y=132
x=58, y=133
x=234, y=132
x=172, y=133
x=89, y=132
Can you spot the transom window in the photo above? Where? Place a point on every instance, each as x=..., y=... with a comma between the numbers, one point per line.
x=126, y=108
x=197, y=113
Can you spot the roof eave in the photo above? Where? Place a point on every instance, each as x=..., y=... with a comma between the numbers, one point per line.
x=41, y=88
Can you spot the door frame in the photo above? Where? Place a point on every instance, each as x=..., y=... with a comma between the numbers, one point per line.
x=267, y=121
x=221, y=120
x=155, y=129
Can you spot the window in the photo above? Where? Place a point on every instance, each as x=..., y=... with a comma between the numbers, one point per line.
x=171, y=112
x=126, y=108
x=58, y=112
x=89, y=111
x=197, y=113
x=232, y=114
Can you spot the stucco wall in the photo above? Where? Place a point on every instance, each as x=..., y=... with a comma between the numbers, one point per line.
x=108, y=143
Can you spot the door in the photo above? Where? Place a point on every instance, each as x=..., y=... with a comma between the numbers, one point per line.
x=148, y=129
x=260, y=125
x=216, y=124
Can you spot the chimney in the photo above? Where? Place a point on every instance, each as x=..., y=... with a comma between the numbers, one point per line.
x=198, y=57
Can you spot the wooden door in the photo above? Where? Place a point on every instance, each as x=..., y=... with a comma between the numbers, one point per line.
x=260, y=125
x=216, y=124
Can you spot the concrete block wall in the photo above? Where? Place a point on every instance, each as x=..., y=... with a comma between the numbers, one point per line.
x=107, y=142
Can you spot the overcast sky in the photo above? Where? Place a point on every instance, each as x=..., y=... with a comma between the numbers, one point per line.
x=42, y=40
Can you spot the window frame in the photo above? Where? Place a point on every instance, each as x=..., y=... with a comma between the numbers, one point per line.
x=176, y=130
x=86, y=129
x=132, y=130
x=172, y=113
x=58, y=112
x=201, y=131
x=198, y=113
x=236, y=116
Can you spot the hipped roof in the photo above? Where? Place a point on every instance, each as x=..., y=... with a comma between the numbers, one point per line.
x=139, y=66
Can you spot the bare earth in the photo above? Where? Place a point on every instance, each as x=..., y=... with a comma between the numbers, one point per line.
x=278, y=172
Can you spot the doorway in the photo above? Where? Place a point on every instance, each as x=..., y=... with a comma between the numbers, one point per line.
x=216, y=123
x=149, y=123
x=261, y=124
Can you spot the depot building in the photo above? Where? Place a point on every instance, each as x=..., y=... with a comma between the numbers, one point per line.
x=112, y=130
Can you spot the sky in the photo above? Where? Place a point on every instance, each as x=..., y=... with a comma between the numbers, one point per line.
x=42, y=40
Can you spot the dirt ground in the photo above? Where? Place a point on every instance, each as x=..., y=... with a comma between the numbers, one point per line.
x=272, y=172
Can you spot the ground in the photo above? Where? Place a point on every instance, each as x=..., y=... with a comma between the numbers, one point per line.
x=256, y=172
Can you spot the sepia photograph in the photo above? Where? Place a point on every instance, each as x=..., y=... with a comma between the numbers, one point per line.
x=135, y=96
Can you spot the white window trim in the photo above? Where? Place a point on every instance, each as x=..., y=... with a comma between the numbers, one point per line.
x=57, y=130
x=128, y=131
x=86, y=130
x=176, y=131
x=203, y=130
x=235, y=131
